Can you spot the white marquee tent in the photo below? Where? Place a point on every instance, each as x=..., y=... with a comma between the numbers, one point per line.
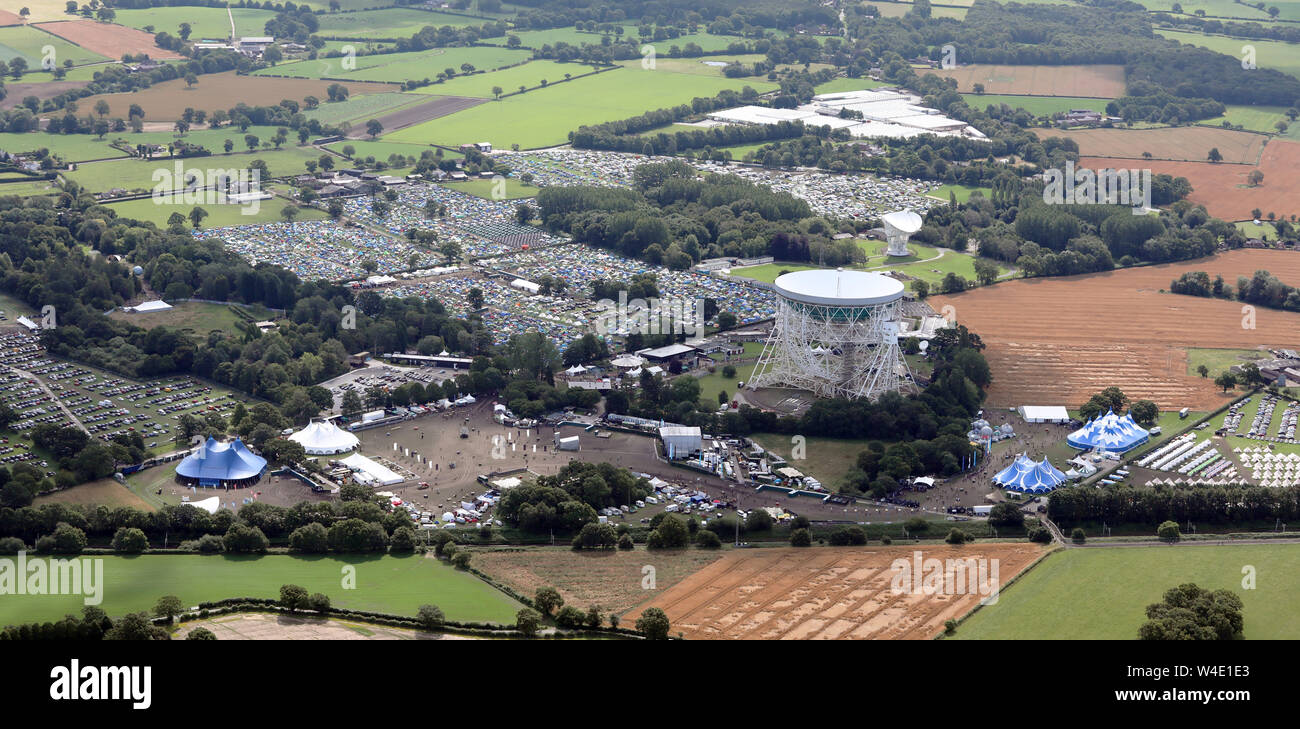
x=323, y=437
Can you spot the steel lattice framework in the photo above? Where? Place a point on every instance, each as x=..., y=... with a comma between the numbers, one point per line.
x=834, y=350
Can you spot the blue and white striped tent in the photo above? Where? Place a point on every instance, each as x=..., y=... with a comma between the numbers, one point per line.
x=1109, y=432
x=1029, y=476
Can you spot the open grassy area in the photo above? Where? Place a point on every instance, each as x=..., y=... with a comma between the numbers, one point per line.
x=530, y=75
x=828, y=459
x=849, y=84
x=1278, y=55
x=383, y=583
x=71, y=147
x=382, y=150
x=219, y=216
x=963, y=192
x=205, y=23
x=195, y=318
x=711, y=385
x=1219, y=360
x=1101, y=594
x=137, y=174
x=105, y=491
x=1289, y=9
x=387, y=23
x=359, y=110
x=899, y=9
x=1036, y=105
x=399, y=67
x=1264, y=231
x=512, y=189
x=1251, y=118
x=29, y=43
x=554, y=111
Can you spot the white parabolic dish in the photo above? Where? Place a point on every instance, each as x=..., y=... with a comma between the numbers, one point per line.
x=839, y=288
x=904, y=221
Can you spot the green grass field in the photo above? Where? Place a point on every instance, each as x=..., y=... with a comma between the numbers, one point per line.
x=1255, y=119
x=71, y=147
x=1219, y=360
x=827, y=459
x=197, y=318
x=133, y=174
x=1288, y=9
x=383, y=583
x=849, y=84
x=205, y=23
x=538, y=38
x=381, y=150
x=530, y=74
x=387, y=23
x=1036, y=105
x=1102, y=594
x=1265, y=230
x=1284, y=57
x=711, y=385
x=30, y=43
x=219, y=216
x=399, y=67
x=357, y=111
x=29, y=189
x=963, y=192
x=562, y=107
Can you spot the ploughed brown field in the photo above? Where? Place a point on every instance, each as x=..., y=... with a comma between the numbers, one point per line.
x=169, y=99
x=1223, y=188
x=1060, y=340
x=1103, y=81
x=108, y=40
x=825, y=593
x=1191, y=144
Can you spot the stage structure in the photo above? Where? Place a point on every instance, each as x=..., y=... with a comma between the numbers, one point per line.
x=836, y=335
x=899, y=226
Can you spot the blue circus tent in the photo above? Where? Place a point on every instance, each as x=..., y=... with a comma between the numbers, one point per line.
x=1029, y=476
x=221, y=464
x=1109, y=432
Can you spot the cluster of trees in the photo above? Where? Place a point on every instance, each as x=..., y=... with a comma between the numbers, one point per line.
x=1191, y=612
x=1082, y=505
x=569, y=500
x=1261, y=289
x=1114, y=399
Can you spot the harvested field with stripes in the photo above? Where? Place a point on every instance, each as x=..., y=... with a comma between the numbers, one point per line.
x=107, y=39
x=1103, y=81
x=1224, y=189
x=824, y=593
x=1073, y=336
x=1191, y=144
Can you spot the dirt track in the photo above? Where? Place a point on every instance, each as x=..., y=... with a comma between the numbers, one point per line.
x=1070, y=337
x=823, y=593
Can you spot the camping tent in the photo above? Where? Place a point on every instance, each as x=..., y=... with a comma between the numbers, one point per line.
x=324, y=437
x=1109, y=432
x=1029, y=476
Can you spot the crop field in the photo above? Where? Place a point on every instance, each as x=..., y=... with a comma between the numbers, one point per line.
x=166, y=101
x=821, y=593
x=387, y=23
x=8, y=18
x=29, y=44
x=108, y=40
x=389, y=584
x=399, y=67
x=1278, y=55
x=1133, y=336
x=1192, y=144
x=562, y=107
x=205, y=23
x=1102, y=81
x=381, y=149
x=850, y=84
x=42, y=10
x=530, y=74
x=1036, y=105
x=538, y=38
x=1224, y=189
x=433, y=107
x=104, y=491
x=611, y=579
x=1102, y=594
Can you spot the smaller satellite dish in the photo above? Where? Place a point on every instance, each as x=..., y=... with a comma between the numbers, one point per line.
x=924, y=345
x=139, y=271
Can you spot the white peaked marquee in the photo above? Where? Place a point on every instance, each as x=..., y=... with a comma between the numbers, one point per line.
x=323, y=437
